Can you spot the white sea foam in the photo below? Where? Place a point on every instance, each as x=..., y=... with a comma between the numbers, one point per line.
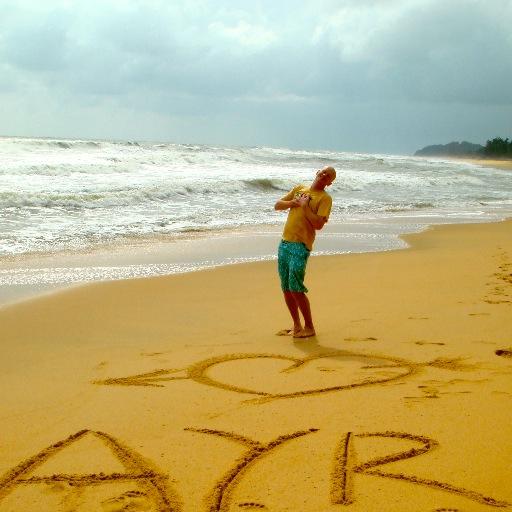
x=59, y=195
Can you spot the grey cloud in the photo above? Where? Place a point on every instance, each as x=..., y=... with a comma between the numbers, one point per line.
x=36, y=43
x=431, y=52
x=442, y=52
x=271, y=65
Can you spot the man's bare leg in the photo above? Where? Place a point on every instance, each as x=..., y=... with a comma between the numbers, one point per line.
x=293, y=308
x=302, y=302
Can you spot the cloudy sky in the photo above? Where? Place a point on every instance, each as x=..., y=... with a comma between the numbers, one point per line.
x=386, y=76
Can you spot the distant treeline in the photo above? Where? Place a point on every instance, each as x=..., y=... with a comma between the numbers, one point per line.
x=498, y=147
x=494, y=148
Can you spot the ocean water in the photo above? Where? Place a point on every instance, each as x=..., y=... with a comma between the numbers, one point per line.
x=209, y=205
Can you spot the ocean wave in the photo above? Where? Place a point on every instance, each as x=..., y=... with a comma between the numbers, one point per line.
x=51, y=200
x=265, y=184
x=95, y=193
x=409, y=207
x=60, y=170
x=49, y=143
x=61, y=193
x=368, y=206
x=196, y=229
x=126, y=196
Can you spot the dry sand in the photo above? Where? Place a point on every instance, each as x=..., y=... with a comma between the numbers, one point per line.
x=173, y=393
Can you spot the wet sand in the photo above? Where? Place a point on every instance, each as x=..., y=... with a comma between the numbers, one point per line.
x=173, y=393
x=486, y=162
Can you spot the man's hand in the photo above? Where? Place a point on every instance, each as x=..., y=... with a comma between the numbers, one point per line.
x=303, y=200
x=297, y=202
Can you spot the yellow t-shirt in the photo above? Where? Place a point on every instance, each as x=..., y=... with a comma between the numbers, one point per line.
x=297, y=227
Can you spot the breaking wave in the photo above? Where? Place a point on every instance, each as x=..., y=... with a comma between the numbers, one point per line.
x=63, y=193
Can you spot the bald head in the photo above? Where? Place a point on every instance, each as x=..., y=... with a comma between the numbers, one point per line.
x=331, y=171
x=324, y=177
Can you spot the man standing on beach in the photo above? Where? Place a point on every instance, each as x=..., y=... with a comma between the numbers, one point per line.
x=309, y=211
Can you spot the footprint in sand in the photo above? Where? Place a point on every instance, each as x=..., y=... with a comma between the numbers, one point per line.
x=129, y=500
x=370, y=338
x=499, y=288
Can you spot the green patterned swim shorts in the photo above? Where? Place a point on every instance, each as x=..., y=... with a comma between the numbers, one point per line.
x=292, y=258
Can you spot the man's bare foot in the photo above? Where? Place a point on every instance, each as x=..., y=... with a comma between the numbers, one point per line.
x=288, y=332
x=305, y=333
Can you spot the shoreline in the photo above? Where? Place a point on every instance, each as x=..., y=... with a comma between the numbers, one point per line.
x=184, y=372
x=493, y=163
x=36, y=275
x=40, y=275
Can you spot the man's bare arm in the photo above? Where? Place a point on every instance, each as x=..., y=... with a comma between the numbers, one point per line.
x=293, y=202
x=317, y=221
x=282, y=204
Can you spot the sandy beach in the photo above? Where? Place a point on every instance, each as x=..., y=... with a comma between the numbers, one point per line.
x=494, y=163
x=153, y=157
x=499, y=164
x=174, y=394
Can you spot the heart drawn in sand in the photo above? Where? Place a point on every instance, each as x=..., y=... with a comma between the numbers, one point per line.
x=269, y=377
